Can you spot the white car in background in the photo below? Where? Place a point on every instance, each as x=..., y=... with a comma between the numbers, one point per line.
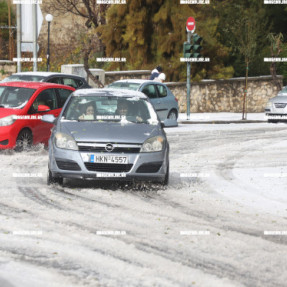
x=276, y=108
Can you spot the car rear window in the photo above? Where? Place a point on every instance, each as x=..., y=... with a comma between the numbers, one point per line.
x=70, y=82
x=26, y=78
x=125, y=85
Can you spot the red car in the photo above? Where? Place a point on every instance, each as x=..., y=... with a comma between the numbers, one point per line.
x=22, y=104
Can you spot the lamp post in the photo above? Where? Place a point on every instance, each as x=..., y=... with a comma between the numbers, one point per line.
x=49, y=19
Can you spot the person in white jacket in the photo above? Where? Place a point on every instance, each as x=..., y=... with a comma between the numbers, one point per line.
x=161, y=78
x=155, y=72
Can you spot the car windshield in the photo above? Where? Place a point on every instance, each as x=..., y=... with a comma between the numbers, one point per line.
x=110, y=109
x=125, y=85
x=27, y=78
x=283, y=91
x=15, y=97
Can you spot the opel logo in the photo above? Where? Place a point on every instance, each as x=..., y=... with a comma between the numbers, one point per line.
x=109, y=147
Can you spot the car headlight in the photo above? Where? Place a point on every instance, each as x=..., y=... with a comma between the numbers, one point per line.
x=65, y=141
x=153, y=144
x=7, y=121
x=269, y=105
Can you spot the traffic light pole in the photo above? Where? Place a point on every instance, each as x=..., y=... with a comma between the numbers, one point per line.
x=188, y=82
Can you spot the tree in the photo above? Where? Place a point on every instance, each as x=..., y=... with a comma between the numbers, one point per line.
x=242, y=27
x=128, y=33
x=148, y=33
x=95, y=17
x=276, y=43
x=6, y=34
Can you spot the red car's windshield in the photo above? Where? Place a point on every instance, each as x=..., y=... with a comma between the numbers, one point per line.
x=14, y=97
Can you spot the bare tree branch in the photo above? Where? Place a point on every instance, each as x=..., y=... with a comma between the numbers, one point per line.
x=95, y=16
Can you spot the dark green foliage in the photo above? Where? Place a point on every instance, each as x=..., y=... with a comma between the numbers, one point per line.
x=148, y=33
x=3, y=13
x=4, y=33
x=282, y=67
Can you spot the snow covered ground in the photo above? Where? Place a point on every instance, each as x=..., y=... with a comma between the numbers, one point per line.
x=202, y=117
x=220, y=222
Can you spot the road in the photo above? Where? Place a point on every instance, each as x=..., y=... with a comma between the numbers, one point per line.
x=210, y=227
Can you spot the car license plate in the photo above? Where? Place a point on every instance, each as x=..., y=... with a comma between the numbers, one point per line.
x=109, y=159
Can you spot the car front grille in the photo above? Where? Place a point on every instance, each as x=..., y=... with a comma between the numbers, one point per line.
x=106, y=167
x=280, y=105
x=149, y=167
x=101, y=147
x=67, y=165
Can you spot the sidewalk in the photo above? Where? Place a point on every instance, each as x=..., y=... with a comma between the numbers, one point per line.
x=221, y=118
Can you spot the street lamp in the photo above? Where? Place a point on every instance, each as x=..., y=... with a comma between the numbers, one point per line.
x=49, y=19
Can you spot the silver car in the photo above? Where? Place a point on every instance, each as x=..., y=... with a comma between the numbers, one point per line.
x=276, y=109
x=160, y=95
x=108, y=134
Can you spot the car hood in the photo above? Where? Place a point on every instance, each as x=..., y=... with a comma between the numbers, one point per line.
x=279, y=99
x=5, y=112
x=109, y=132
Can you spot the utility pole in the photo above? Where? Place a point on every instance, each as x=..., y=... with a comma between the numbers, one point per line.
x=35, y=36
x=190, y=28
x=188, y=82
x=11, y=44
x=190, y=52
x=19, y=29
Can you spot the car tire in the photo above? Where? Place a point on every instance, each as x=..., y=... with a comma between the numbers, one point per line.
x=54, y=180
x=166, y=178
x=24, y=140
x=172, y=115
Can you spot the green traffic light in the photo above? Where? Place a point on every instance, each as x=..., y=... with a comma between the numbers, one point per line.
x=193, y=50
x=197, y=39
x=187, y=50
x=196, y=47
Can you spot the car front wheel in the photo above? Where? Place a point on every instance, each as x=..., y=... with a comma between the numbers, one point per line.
x=166, y=178
x=24, y=140
x=52, y=179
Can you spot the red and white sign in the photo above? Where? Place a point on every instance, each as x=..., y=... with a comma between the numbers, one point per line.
x=190, y=25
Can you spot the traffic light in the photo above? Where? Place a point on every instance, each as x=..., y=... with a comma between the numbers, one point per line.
x=187, y=50
x=196, y=47
x=192, y=50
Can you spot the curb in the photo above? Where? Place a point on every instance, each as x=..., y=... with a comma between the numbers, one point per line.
x=222, y=122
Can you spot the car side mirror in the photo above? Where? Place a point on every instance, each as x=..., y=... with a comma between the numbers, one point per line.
x=43, y=108
x=49, y=119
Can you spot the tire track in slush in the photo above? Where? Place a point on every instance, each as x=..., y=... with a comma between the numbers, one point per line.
x=211, y=268
x=166, y=249
x=184, y=210
x=40, y=199
x=34, y=195
x=80, y=271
